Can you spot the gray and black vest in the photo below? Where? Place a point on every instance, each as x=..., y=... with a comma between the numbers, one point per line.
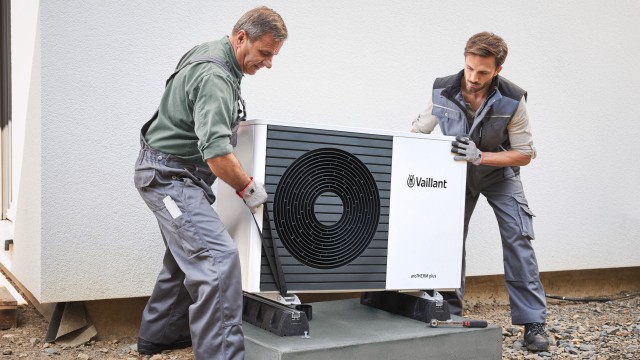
x=487, y=127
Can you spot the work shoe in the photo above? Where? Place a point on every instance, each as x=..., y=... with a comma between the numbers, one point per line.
x=535, y=337
x=151, y=348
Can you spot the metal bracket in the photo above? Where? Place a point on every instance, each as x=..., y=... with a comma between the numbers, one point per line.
x=7, y=244
x=431, y=295
x=288, y=299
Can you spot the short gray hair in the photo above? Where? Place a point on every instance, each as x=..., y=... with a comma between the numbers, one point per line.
x=260, y=21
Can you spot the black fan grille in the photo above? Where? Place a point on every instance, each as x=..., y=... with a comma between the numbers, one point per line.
x=320, y=178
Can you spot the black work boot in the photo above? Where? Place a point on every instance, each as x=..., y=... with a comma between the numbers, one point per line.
x=151, y=348
x=535, y=337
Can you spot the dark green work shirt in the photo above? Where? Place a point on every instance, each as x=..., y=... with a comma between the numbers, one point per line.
x=199, y=106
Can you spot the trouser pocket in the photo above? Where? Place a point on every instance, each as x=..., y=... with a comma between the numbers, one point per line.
x=142, y=178
x=525, y=216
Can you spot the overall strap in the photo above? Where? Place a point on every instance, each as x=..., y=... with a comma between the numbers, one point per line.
x=200, y=59
x=197, y=59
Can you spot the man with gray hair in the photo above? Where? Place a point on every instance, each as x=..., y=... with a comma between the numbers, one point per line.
x=187, y=144
x=488, y=115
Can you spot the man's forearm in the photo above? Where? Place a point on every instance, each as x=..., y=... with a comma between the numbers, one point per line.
x=228, y=169
x=505, y=158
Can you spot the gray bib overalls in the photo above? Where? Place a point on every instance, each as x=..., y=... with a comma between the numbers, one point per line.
x=198, y=293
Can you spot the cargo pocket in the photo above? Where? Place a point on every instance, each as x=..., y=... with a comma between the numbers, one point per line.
x=525, y=216
x=190, y=239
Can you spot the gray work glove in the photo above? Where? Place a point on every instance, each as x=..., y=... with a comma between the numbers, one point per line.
x=467, y=150
x=253, y=195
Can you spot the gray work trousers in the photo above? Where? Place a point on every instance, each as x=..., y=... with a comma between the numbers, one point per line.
x=198, y=293
x=526, y=294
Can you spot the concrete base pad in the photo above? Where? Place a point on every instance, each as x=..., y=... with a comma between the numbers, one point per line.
x=345, y=329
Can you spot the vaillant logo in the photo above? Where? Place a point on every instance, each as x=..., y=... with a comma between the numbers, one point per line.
x=410, y=181
x=414, y=181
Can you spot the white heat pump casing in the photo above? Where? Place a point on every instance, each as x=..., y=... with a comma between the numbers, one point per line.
x=425, y=223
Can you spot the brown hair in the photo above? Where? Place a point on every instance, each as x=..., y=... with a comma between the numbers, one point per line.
x=487, y=44
x=259, y=21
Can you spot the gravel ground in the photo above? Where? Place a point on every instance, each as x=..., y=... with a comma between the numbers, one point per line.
x=580, y=330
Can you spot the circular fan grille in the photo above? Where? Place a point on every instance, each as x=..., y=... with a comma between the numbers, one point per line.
x=326, y=208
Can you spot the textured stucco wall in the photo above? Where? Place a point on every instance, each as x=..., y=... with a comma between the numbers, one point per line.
x=357, y=63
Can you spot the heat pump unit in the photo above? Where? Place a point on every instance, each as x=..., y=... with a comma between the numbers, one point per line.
x=348, y=209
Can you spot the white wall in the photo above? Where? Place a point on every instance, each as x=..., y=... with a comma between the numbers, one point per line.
x=24, y=262
x=358, y=63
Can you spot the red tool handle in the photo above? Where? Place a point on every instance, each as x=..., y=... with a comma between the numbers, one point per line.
x=475, y=323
